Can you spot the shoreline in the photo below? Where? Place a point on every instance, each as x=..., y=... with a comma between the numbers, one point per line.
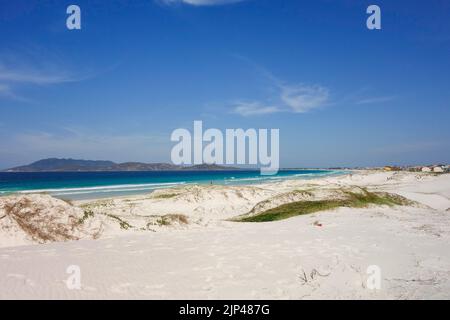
x=74, y=191
x=185, y=236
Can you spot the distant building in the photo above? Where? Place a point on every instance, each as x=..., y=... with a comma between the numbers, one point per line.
x=426, y=169
x=391, y=168
x=438, y=169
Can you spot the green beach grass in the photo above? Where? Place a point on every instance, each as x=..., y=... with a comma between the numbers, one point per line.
x=352, y=200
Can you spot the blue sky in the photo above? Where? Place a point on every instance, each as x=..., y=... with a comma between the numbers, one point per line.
x=341, y=95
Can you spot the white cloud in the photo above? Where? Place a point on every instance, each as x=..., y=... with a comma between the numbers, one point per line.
x=200, y=2
x=296, y=98
x=303, y=98
x=253, y=108
x=292, y=98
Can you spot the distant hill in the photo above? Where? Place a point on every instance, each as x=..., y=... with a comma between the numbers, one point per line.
x=70, y=165
x=54, y=164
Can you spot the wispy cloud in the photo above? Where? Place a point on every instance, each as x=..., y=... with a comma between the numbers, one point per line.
x=286, y=97
x=367, y=95
x=12, y=77
x=304, y=98
x=34, y=66
x=253, y=108
x=297, y=98
x=7, y=92
x=199, y=2
x=375, y=100
x=32, y=77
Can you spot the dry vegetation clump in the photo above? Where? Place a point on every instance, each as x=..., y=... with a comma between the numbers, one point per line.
x=169, y=220
x=166, y=193
x=42, y=218
x=123, y=224
x=165, y=196
x=174, y=218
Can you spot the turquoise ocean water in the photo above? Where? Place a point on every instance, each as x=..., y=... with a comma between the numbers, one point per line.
x=92, y=185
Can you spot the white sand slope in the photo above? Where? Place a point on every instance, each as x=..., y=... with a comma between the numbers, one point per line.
x=28, y=219
x=212, y=258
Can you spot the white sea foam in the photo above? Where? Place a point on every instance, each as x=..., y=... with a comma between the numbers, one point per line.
x=107, y=191
x=110, y=188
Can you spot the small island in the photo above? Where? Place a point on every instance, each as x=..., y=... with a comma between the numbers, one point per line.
x=79, y=165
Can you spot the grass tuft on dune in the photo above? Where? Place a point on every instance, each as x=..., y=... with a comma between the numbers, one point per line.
x=165, y=196
x=352, y=200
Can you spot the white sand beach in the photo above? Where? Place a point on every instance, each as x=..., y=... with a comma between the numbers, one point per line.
x=179, y=243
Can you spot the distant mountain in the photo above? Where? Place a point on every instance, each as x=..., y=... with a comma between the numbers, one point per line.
x=68, y=165
x=54, y=164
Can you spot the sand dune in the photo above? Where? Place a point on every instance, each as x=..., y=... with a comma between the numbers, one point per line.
x=178, y=243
